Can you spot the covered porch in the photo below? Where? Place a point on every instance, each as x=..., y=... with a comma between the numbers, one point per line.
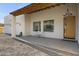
x=32, y=12
x=70, y=47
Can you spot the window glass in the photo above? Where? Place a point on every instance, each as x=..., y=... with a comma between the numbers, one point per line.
x=49, y=26
x=36, y=26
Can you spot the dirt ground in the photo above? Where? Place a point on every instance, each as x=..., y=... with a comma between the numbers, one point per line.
x=11, y=47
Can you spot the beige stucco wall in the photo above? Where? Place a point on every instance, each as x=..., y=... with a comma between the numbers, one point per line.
x=52, y=13
x=28, y=24
x=20, y=24
x=7, y=24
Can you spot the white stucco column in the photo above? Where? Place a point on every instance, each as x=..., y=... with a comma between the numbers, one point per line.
x=13, y=27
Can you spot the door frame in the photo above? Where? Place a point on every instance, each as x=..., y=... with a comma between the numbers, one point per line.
x=64, y=29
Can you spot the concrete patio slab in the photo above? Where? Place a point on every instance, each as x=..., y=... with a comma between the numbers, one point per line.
x=61, y=45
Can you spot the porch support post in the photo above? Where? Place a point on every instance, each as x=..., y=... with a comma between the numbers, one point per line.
x=13, y=27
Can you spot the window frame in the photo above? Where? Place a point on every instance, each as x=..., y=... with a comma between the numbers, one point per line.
x=39, y=26
x=48, y=22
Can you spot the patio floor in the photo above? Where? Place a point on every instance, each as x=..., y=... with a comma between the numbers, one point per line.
x=59, y=46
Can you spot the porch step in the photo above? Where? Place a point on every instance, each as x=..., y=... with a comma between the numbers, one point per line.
x=48, y=50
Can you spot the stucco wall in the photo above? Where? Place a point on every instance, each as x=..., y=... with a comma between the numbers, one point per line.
x=20, y=24
x=7, y=24
x=27, y=24
x=52, y=13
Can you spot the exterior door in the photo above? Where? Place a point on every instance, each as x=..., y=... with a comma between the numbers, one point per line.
x=69, y=27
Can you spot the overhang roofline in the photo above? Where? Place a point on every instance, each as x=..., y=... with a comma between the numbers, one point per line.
x=34, y=7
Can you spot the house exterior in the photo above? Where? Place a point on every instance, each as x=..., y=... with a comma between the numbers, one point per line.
x=46, y=20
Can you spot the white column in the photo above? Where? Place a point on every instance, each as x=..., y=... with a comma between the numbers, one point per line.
x=13, y=27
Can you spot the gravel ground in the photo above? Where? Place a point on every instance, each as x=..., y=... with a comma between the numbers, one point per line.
x=11, y=47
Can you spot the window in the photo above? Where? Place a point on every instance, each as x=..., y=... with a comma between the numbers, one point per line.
x=36, y=26
x=49, y=26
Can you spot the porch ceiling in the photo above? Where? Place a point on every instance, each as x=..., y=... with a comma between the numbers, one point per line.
x=34, y=8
